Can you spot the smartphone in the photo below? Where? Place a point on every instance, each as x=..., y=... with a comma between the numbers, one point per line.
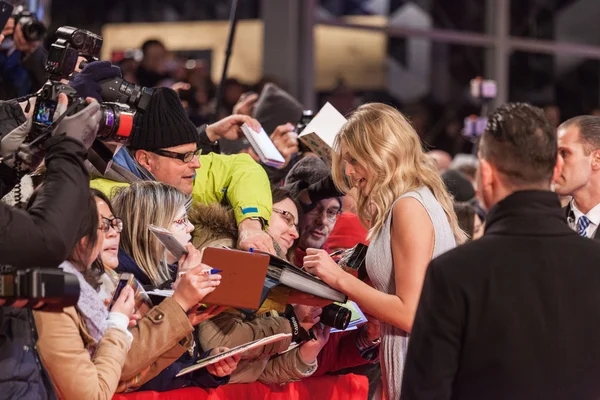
x=124, y=280
x=169, y=241
x=6, y=11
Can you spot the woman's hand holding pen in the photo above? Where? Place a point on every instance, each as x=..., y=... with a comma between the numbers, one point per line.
x=193, y=285
x=320, y=264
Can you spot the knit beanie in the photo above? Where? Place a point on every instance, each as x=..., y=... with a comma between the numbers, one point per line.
x=307, y=171
x=164, y=123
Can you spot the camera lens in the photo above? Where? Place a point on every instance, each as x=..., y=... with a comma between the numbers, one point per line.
x=32, y=30
x=116, y=124
x=336, y=316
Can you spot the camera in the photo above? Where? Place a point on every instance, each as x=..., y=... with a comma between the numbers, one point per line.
x=119, y=90
x=57, y=289
x=116, y=123
x=335, y=316
x=69, y=45
x=33, y=30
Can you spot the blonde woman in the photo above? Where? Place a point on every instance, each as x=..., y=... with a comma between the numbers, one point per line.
x=404, y=201
x=141, y=253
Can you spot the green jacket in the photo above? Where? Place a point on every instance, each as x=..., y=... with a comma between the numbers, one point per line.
x=237, y=180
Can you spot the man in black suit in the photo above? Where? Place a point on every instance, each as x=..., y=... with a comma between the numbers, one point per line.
x=515, y=314
x=579, y=147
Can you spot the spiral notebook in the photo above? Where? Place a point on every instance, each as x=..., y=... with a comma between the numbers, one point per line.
x=263, y=146
x=236, y=350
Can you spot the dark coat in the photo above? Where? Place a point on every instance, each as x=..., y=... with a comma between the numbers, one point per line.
x=513, y=315
x=42, y=236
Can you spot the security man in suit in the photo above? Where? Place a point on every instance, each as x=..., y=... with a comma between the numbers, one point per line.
x=579, y=147
x=513, y=315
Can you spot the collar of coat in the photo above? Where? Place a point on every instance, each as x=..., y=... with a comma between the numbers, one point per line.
x=529, y=213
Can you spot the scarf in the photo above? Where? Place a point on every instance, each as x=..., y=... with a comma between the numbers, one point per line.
x=89, y=305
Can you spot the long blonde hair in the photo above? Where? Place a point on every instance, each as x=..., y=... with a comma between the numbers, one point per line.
x=382, y=140
x=139, y=205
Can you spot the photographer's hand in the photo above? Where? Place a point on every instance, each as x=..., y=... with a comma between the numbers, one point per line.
x=87, y=82
x=10, y=144
x=82, y=126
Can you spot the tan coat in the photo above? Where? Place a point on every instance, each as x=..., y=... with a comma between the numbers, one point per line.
x=63, y=347
x=64, y=341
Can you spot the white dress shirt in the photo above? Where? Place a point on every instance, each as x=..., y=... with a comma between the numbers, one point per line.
x=593, y=215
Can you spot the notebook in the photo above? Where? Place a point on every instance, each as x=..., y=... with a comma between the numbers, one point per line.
x=320, y=133
x=263, y=146
x=243, y=276
x=231, y=352
x=291, y=276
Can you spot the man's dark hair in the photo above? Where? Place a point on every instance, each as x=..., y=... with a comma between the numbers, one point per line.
x=152, y=42
x=521, y=143
x=589, y=131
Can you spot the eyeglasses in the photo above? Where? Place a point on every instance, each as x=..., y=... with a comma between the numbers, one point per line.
x=185, y=157
x=332, y=214
x=288, y=217
x=182, y=222
x=115, y=223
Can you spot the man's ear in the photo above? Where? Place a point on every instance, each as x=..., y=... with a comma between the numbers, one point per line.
x=558, y=168
x=595, y=160
x=486, y=171
x=144, y=159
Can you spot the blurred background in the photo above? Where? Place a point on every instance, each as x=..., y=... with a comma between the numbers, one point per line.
x=418, y=55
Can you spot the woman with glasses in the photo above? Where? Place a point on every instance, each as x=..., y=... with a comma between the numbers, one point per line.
x=215, y=226
x=157, y=345
x=85, y=347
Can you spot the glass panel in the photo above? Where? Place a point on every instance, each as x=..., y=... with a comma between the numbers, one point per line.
x=565, y=85
x=461, y=15
x=569, y=21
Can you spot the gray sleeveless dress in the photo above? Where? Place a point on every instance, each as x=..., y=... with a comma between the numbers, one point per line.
x=394, y=341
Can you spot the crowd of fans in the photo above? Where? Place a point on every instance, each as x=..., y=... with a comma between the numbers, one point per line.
x=452, y=313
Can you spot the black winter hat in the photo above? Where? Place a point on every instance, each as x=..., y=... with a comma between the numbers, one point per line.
x=164, y=123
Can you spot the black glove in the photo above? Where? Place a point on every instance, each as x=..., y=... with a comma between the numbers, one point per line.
x=86, y=83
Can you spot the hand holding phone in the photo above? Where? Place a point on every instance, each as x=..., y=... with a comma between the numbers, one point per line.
x=125, y=279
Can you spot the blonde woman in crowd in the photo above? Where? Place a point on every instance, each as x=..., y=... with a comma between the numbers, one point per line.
x=403, y=200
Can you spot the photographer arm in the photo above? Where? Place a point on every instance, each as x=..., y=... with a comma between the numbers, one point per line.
x=44, y=235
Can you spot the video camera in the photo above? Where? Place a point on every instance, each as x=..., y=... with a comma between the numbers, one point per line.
x=57, y=289
x=121, y=99
x=33, y=30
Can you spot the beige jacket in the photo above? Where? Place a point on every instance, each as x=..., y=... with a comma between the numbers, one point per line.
x=63, y=347
x=160, y=338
